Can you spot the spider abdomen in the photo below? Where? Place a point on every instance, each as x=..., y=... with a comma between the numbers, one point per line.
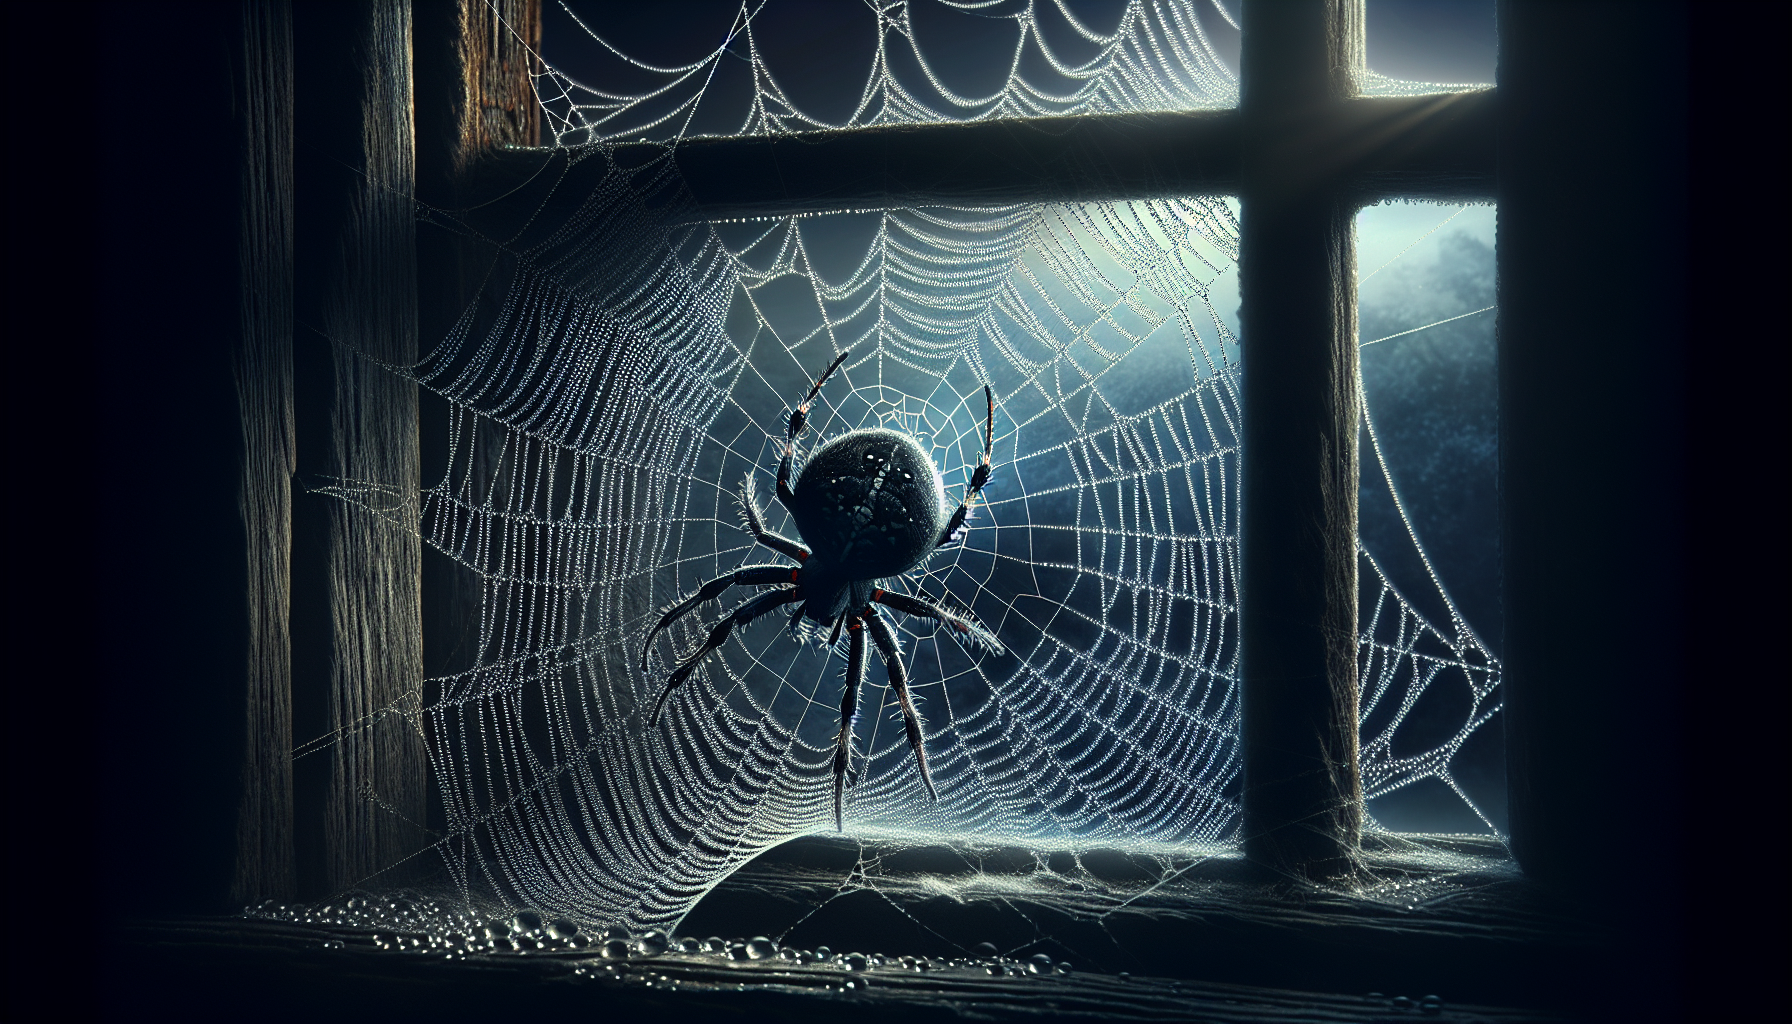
x=870, y=504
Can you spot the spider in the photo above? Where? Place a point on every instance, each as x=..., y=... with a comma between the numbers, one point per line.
x=869, y=505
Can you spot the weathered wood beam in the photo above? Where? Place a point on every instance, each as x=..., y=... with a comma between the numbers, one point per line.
x=988, y=163
x=264, y=388
x=1302, y=797
x=1434, y=147
x=473, y=95
x=360, y=795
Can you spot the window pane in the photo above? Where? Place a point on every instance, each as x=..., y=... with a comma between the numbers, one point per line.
x=619, y=71
x=1418, y=46
x=1429, y=519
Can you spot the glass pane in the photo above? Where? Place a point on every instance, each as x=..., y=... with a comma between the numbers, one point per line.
x=618, y=71
x=1429, y=517
x=1429, y=45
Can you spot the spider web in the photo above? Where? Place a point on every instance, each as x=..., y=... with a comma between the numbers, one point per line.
x=634, y=376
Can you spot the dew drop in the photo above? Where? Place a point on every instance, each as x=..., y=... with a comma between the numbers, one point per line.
x=526, y=922
x=985, y=949
x=652, y=943
x=1063, y=969
x=761, y=948
x=714, y=945
x=738, y=951
x=614, y=949
x=857, y=962
x=562, y=929
x=690, y=946
x=1039, y=963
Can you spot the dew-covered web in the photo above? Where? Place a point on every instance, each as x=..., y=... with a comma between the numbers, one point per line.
x=635, y=376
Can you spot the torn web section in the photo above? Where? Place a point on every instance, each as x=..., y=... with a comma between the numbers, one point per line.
x=1431, y=741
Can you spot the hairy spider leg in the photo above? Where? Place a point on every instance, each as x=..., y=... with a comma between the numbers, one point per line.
x=979, y=476
x=924, y=609
x=718, y=636
x=849, y=712
x=749, y=504
x=799, y=419
x=748, y=576
x=885, y=638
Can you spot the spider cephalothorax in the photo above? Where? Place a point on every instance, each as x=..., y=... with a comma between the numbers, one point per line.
x=869, y=505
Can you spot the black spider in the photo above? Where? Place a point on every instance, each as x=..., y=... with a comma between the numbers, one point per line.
x=870, y=506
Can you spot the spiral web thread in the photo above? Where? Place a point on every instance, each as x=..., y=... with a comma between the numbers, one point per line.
x=636, y=375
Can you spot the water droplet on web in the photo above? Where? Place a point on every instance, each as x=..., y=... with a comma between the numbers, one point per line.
x=737, y=951
x=526, y=922
x=1063, y=968
x=614, y=949
x=714, y=945
x=761, y=948
x=1039, y=963
x=562, y=929
x=652, y=943
x=615, y=931
x=857, y=962
x=985, y=949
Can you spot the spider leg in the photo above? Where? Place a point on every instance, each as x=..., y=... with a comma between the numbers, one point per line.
x=979, y=476
x=963, y=625
x=718, y=636
x=749, y=507
x=752, y=575
x=799, y=418
x=885, y=638
x=849, y=712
